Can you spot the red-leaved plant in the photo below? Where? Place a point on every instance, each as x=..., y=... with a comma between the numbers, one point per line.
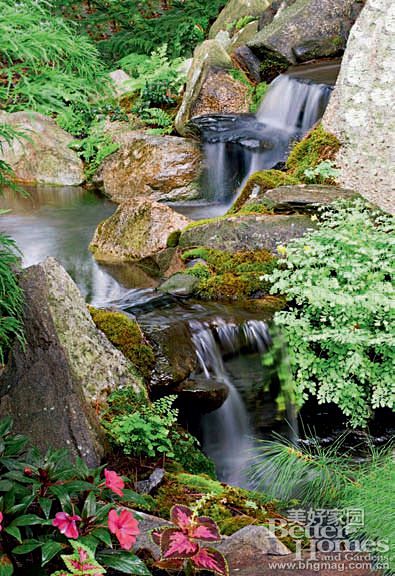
x=181, y=545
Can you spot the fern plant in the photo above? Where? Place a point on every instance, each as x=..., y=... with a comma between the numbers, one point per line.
x=44, y=64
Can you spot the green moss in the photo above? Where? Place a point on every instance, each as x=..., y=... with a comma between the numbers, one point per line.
x=230, y=276
x=172, y=241
x=198, y=223
x=257, y=96
x=265, y=180
x=125, y=334
x=272, y=64
x=316, y=147
x=254, y=209
x=240, y=76
x=232, y=508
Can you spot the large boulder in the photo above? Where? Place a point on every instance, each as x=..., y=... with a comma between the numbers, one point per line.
x=163, y=168
x=234, y=11
x=210, y=87
x=43, y=156
x=306, y=30
x=362, y=109
x=246, y=232
x=137, y=230
x=51, y=386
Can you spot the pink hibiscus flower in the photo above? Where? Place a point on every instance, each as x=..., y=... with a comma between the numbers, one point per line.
x=124, y=526
x=66, y=524
x=114, y=482
x=1, y=520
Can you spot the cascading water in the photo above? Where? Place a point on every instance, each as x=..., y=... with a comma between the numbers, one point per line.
x=227, y=434
x=235, y=146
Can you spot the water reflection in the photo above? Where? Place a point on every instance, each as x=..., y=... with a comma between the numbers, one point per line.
x=60, y=222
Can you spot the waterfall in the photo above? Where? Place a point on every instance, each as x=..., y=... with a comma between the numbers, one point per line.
x=292, y=105
x=236, y=146
x=227, y=434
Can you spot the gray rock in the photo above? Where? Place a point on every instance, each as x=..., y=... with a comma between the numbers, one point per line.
x=247, y=60
x=155, y=480
x=201, y=396
x=174, y=352
x=44, y=156
x=161, y=168
x=144, y=543
x=180, y=285
x=210, y=88
x=51, y=388
x=246, y=232
x=307, y=29
x=362, y=109
x=248, y=545
x=119, y=80
x=236, y=9
x=300, y=197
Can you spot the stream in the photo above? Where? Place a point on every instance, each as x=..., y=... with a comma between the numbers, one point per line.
x=228, y=340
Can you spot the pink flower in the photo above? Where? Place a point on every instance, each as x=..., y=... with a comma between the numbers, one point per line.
x=1, y=520
x=114, y=482
x=124, y=526
x=66, y=524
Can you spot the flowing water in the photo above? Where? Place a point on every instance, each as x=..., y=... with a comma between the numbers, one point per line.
x=236, y=146
x=228, y=341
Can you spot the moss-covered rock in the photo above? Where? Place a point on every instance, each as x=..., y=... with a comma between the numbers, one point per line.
x=232, y=508
x=126, y=335
x=229, y=276
x=316, y=147
x=257, y=185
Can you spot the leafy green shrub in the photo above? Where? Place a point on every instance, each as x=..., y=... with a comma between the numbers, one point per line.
x=11, y=297
x=323, y=172
x=146, y=431
x=44, y=64
x=94, y=148
x=45, y=501
x=322, y=477
x=339, y=325
x=126, y=26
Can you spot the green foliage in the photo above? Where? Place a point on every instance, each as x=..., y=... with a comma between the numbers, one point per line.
x=126, y=335
x=77, y=120
x=229, y=276
x=313, y=475
x=340, y=322
x=94, y=148
x=372, y=491
x=257, y=96
x=45, y=64
x=157, y=79
x=318, y=146
x=322, y=477
x=160, y=119
x=187, y=452
x=34, y=489
x=240, y=76
x=146, y=431
x=323, y=172
x=11, y=297
x=124, y=26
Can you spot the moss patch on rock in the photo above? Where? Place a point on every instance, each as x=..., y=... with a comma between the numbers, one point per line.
x=230, y=276
x=316, y=147
x=126, y=335
x=265, y=180
x=232, y=508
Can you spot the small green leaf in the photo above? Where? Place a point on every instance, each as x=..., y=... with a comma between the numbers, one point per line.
x=103, y=535
x=46, y=505
x=15, y=532
x=27, y=547
x=49, y=550
x=125, y=562
x=28, y=520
